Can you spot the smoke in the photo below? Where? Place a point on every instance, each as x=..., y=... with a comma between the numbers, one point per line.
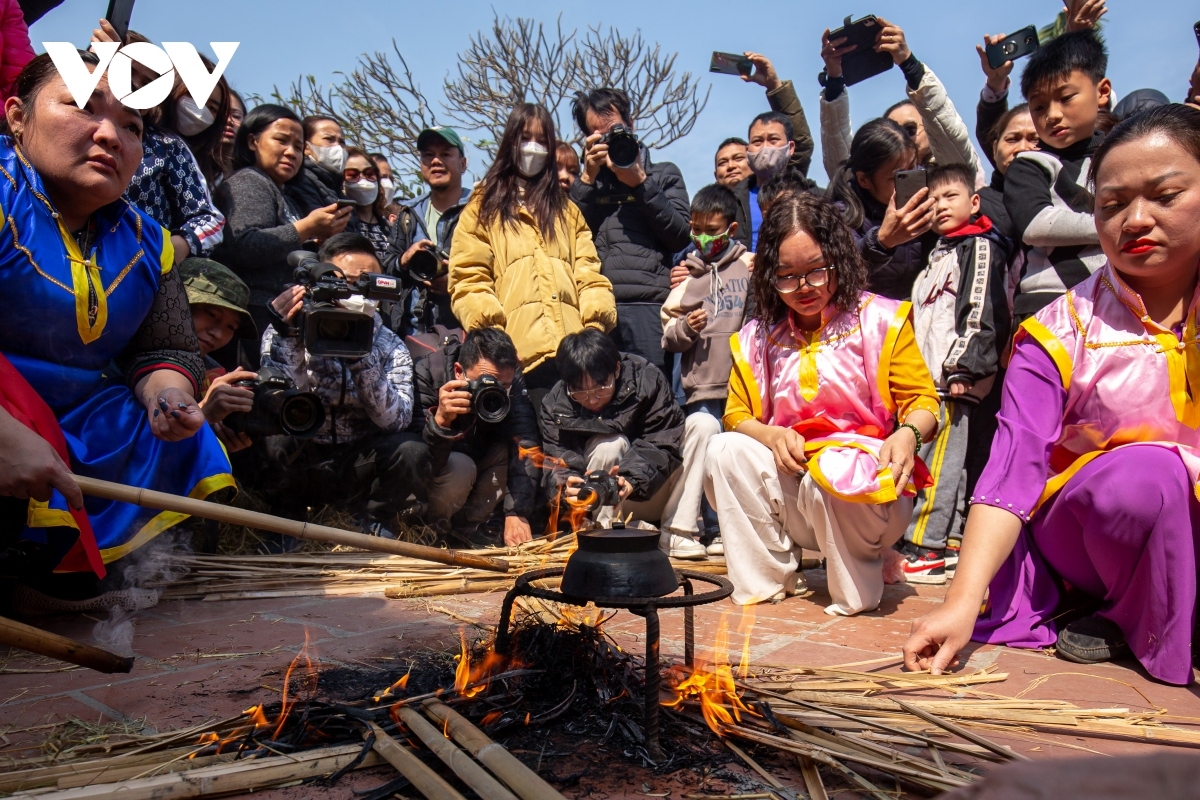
x=135, y=583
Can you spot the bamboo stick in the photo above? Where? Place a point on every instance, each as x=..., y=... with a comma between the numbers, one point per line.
x=812, y=779
x=240, y=776
x=470, y=772
x=300, y=530
x=426, y=781
x=44, y=643
x=771, y=780
x=521, y=779
x=962, y=732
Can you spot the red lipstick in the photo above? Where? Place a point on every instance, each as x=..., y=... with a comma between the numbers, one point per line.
x=1139, y=247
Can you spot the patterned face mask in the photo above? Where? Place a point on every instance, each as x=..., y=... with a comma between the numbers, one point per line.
x=711, y=246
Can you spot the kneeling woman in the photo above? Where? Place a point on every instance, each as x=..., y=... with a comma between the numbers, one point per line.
x=90, y=281
x=829, y=401
x=1093, y=473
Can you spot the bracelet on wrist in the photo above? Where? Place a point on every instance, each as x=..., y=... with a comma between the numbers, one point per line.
x=916, y=433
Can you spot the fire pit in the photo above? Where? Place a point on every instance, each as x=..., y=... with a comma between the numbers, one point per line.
x=622, y=561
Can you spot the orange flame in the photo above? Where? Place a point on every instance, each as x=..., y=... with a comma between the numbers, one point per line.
x=713, y=686
x=469, y=681
x=491, y=717
x=578, y=513
x=400, y=684
x=745, y=627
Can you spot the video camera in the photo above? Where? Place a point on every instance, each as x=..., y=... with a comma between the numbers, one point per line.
x=279, y=408
x=327, y=328
x=624, y=149
x=599, y=489
x=428, y=264
x=489, y=399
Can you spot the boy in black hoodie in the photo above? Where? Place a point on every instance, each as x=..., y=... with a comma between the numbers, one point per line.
x=962, y=324
x=1045, y=189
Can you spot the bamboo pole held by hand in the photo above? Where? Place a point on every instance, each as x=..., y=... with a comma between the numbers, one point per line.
x=521, y=779
x=44, y=643
x=267, y=522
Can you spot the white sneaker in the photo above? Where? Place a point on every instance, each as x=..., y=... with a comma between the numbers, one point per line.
x=681, y=547
x=716, y=547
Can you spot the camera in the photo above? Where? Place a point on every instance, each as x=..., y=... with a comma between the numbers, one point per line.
x=600, y=489
x=489, y=398
x=624, y=149
x=328, y=329
x=279, y=408
x=428, y=264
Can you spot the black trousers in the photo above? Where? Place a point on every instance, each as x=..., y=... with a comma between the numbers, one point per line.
x=378, y=474
x=639, y=331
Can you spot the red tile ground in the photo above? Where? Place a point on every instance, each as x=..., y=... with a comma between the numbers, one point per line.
x=201, y=660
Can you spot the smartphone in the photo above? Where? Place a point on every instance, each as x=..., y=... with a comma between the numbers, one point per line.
x=864, y=62
x=730, y=64
x=908, y=183
x=1012, y=47
x=119, y=12
x=345, y=203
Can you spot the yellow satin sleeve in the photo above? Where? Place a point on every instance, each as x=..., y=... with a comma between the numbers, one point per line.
x=908, y=378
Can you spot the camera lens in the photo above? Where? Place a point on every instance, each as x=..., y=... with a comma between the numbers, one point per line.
x=1010, y=48
x=423, y=265
x=491, y=404
x=301, y=415
x=336, y=329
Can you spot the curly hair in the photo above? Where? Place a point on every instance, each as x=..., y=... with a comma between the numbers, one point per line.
x=820, y=219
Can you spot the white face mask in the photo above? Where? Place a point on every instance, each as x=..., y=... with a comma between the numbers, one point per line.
x=360, y=304
x=532, y=159
x=191, y=119
x=388, y=187
x=362, y=193
x=332, y=157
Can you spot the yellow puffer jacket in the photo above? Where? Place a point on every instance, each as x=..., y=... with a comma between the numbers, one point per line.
x=537, y=291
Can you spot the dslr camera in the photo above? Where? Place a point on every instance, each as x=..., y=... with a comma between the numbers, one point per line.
x=489, y=399
x=279, y=408
x=624, y=149
x=327, y=328
x=429, y=264
x=599, y=489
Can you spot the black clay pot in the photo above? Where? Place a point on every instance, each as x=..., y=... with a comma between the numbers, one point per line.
x=621, y=562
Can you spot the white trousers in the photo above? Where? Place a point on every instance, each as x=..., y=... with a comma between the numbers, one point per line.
x=603, y=453
x=682, y=513
x=767, y=517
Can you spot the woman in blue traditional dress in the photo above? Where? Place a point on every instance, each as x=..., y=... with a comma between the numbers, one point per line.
x=94, y=317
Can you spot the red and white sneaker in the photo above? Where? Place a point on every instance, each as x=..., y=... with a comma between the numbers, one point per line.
x=924, y=565
x=952, y=550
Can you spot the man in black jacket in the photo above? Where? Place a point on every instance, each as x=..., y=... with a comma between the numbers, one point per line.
x=474, y=463
x=639, y=217
x=612, y=412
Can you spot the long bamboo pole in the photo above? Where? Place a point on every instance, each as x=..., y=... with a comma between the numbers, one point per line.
x=424, y=779
x=267, y=522
x=520, y=778
x=44, y=643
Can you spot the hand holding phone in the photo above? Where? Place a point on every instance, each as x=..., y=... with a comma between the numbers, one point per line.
x=119, y=12
x=864, y=61
x=1012, y=47
x=730, y=64
x=908, y=183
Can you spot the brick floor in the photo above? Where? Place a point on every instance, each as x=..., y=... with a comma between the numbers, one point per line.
x=199, y=660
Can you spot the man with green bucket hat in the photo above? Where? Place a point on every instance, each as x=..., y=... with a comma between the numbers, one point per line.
x=218, y=299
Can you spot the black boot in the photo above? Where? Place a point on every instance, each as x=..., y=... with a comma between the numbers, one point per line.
x=1091, y=640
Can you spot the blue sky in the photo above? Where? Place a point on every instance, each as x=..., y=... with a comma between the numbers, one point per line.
x=1151, y=44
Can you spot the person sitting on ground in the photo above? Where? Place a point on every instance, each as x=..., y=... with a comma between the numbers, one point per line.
x=927, y=114
x=730, y=164
x=428, y=223
x=263, y=225
x=1092, y=476
x=358, y=458
x=613, y=412
x=219, y=303
x=829, y=401
x=523, y=258
x=1044, y=190
x=962, y=322
x=473, y=462
x=90, y=281
x=895, y=242
x=567, y=161
x=698, y=318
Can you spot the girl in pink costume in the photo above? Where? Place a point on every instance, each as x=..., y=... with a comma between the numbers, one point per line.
x=1092, y=481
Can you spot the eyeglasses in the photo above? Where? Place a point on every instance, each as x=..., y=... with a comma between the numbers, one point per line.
x=595, y=393
x=816, y=278
x=352, y=175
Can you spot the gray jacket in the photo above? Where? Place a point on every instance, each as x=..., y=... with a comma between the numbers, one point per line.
x=259, y=233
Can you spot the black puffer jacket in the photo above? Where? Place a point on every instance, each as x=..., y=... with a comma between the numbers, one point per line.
x=890, y=272
x=637, y=230
x=474, y=438
x=643, y=410
x=315, y=187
